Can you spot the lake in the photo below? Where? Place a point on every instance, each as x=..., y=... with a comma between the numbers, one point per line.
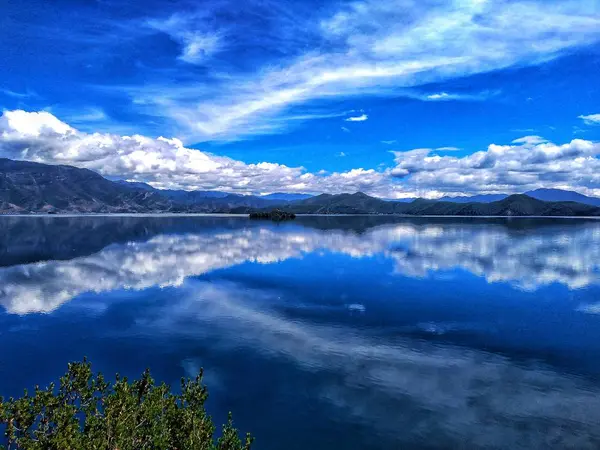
x=324, y=332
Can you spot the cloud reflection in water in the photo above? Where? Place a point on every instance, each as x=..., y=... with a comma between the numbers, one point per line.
x=410, y=391
x=529, y=259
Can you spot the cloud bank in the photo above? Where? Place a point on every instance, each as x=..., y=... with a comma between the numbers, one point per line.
x=528, y=163
x=162, y=162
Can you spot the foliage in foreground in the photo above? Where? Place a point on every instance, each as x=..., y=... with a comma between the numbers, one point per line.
x=86, y=412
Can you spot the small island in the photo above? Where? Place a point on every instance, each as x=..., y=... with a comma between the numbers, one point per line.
x=276, y=215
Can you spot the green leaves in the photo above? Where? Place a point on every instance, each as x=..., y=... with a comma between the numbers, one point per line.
x=86, y=412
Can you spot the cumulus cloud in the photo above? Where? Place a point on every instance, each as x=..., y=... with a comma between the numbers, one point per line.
x=592, y=119
x=165, y=163
x=363, y=47
x=529, y=163
x=360, y=118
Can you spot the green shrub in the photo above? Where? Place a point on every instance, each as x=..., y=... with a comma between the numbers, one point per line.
x=87, y=412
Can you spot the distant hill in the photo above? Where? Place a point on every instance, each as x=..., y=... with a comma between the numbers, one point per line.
x=286, y=197
x=547, y=195
x=27, y=186
x=560, y=195
x=357, y=203
x=484, y=198
x=215, y=198
x=135, y=184
x=32, y=187
x=514, y=205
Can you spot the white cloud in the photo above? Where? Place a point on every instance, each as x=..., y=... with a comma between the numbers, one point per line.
x=368, y=47
x=392, y=142
x=530, y=140
x=166, y=163
x=445, y=96
x=194, y=32
x=32, y=124
x=345, y=130
x=447, y=149
x=440, y=96
x=592, y=119
x=523, y=130
x=360, y=118
x=530, y=163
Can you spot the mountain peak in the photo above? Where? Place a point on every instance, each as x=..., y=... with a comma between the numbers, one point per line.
x=517, y=197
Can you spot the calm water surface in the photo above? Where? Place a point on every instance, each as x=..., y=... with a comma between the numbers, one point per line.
x=349, y=333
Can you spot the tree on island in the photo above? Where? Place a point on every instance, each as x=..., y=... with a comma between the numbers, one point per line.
x=87, y=412
x=276, y=215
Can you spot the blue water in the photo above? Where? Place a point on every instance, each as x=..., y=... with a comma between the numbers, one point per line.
x=348, y=332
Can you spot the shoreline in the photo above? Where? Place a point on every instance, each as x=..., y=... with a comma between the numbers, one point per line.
x=247, y=216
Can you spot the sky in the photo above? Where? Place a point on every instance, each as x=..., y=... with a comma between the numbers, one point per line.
x=395, y=98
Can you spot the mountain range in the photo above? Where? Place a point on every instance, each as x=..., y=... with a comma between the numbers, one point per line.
x=513, y=205
x=547, y=195
x=28, y=187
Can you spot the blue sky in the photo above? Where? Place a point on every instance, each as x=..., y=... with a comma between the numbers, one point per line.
x=314, y=96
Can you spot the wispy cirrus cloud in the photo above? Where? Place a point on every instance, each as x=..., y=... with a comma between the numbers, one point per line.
x=195, y=32
x=18, y=95
x=455, y=96
x=531, y=140
x=447, y=149
x=363, y=47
